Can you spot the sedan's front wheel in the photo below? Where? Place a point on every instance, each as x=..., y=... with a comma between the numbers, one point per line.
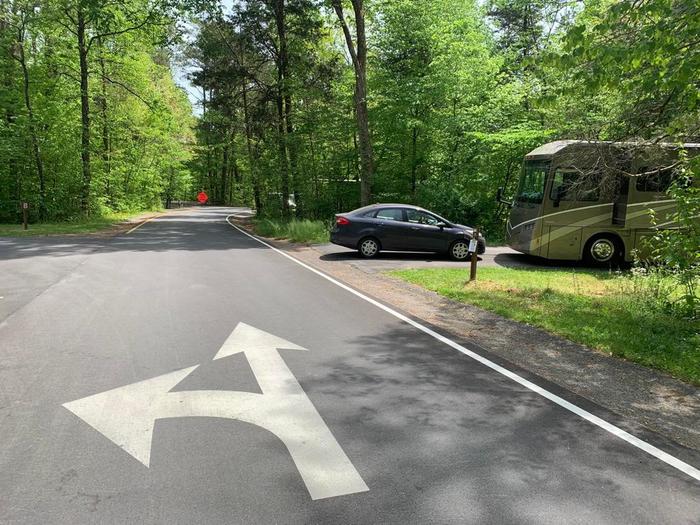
x=459, y=250
x=368, y=247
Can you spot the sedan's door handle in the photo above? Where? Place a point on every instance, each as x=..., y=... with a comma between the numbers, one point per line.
x=415, y=227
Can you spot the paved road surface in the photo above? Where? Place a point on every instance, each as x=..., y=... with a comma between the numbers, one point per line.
x=495, y=256
x=376, y=421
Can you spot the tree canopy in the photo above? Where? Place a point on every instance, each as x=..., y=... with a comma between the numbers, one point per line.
x=310, y=107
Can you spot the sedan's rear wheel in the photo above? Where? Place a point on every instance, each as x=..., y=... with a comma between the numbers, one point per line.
x=459, y=250
x=368, y=247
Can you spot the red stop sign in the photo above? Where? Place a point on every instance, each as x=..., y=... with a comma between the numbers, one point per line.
x=202, y=197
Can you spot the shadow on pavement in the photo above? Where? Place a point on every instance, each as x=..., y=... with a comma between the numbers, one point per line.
x=427, y=408
x=204, y=229
x=386, y=256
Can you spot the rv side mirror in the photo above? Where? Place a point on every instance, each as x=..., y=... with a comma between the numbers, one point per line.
x=499, y=197
x=557, y=197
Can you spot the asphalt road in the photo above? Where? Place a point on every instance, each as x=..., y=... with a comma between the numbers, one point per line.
x=495, y=256
x=377, y=421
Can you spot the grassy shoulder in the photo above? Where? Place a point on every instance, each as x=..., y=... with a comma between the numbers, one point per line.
x=294, y=230
x=597, y=309
x=91, y=225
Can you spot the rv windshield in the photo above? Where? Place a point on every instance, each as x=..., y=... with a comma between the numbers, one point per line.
x=532, y=180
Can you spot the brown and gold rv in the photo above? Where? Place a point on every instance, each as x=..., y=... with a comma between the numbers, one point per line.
x=593, y=201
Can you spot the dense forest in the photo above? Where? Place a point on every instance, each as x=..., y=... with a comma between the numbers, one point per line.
x=92, y=120
x=310, y=107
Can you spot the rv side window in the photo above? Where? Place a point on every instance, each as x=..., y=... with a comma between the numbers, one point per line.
x=572, y=185
x=654, y=180
x=532, y=181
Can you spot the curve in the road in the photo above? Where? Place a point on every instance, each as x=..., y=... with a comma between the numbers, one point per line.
x=582, y=413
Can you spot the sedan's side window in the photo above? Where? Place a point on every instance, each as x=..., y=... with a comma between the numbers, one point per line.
x=420, y=217
x=390, y=214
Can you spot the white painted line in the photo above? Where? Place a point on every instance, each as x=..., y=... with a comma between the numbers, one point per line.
x=609, y=427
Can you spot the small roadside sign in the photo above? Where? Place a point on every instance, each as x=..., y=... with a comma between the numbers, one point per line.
x=202, y=197
x=473, y=246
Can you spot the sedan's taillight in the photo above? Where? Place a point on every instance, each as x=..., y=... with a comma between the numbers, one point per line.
x=341, y=221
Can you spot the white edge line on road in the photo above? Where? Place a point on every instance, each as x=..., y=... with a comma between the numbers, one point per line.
x=622, y=434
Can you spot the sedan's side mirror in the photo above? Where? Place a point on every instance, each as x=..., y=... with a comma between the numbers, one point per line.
x=441, y=224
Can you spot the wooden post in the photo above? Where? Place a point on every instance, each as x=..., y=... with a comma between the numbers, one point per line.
x=475, y=257
x=25, y=215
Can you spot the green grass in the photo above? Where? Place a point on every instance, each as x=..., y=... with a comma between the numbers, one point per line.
x=293, y=230
x=90, y=225
x=598, y=309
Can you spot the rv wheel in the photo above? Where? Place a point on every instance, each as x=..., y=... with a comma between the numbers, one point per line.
x=603, y=251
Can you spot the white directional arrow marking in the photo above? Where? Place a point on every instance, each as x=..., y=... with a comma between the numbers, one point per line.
x=127, y=415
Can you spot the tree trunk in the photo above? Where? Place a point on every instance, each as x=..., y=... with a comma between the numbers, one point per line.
x=106, y=145
x=234, y=158
x=315, y=174
x=291, y=150
x=414, y=167
x=224, y=173
x=359, y=62
x=84, y=113
x=32, y=126
x=233, y=173
x=282, y=97
x=249, y=146
x=282, y=143
x=205, y=131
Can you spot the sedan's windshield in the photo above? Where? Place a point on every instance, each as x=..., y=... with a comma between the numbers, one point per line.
x=532, y=180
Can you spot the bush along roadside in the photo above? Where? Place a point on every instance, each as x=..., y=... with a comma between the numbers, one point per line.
x=676, y=251
x=294, y=230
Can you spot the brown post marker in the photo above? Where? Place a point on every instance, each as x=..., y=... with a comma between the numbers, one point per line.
x=473, y=247
x=25, y=215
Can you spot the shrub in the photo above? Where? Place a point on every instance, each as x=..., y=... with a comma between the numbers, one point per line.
x=294, y=230
x=676, y=252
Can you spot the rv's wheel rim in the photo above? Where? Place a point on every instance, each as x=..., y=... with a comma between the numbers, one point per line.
x=602, y=250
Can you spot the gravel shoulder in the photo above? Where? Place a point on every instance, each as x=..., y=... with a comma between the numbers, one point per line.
x=642, y=396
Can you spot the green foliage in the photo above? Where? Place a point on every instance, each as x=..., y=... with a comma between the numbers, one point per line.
x=643, y=55
x=140, y=121
x=676, y=251
x=596, y=309
x=449, y=127
x=459, y=91
x=293, y=230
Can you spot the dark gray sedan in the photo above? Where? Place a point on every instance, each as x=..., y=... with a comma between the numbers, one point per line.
x=404, y=228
